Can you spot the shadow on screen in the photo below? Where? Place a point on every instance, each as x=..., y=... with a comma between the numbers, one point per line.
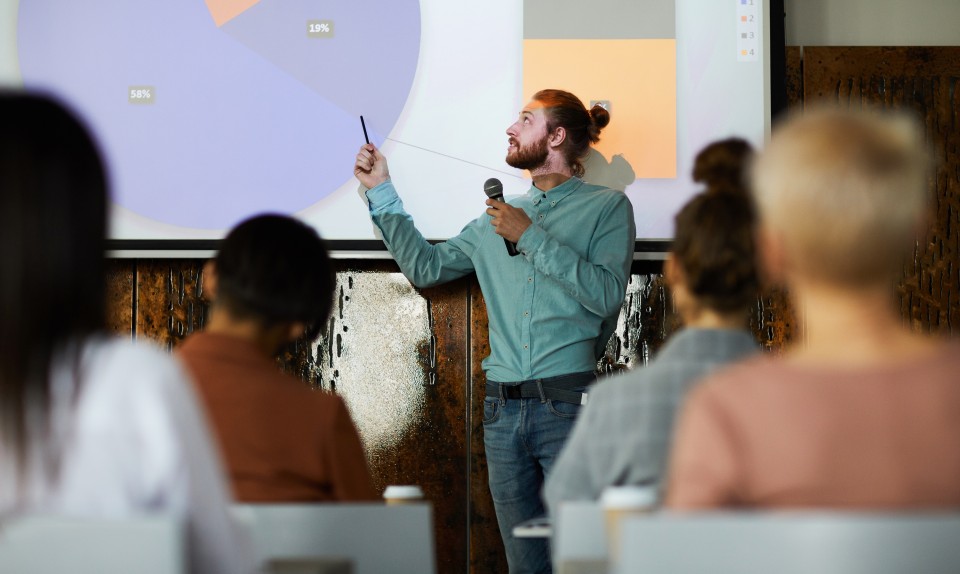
x=615, y=174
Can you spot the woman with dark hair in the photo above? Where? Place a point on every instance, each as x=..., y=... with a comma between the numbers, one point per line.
x=89, y=425
x=624, y=433
x=722, y=165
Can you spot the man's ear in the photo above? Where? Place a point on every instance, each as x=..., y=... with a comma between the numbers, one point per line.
x=209, y=280
x=557, y=137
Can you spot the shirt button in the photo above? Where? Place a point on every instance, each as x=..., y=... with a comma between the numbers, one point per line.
x=526, y=313
x=552, y=203
x=541, y=216
x=525, y=346
x=529, y=279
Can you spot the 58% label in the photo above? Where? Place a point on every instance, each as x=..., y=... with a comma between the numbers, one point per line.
x=141, y=94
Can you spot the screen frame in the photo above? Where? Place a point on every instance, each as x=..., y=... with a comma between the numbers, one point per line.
x=644, y=249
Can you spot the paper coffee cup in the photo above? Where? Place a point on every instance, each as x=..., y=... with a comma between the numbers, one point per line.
x=619, y=502
x=402, y=494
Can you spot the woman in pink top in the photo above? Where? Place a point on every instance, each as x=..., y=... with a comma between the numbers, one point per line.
x=861, y=412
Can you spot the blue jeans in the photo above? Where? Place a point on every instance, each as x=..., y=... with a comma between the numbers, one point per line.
x=522, y=439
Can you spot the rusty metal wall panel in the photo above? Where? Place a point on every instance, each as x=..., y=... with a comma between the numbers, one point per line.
x=398, y=357
x=924, y=80
x=442, y=442
x=168, y=300
x=794, y=77
x=646, y=320
x=773, y=320
x=120, y=296
x=486, y=547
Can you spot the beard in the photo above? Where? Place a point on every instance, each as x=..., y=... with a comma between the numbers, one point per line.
x=529, y=157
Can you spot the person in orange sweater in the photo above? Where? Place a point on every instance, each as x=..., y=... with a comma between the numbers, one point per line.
x=271, y=283
x=861, y=412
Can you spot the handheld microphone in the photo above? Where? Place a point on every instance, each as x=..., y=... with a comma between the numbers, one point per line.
x=494, y=190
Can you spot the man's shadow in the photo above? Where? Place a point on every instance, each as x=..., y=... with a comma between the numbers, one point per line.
x=615, y=174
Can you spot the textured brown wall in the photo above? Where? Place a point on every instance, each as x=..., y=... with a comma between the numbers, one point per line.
x=925, y=81
x=407, y=361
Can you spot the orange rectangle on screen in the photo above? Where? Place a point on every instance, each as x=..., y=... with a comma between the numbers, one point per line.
x=637, y=77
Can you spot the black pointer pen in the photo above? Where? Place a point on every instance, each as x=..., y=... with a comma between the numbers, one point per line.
x=364, y=126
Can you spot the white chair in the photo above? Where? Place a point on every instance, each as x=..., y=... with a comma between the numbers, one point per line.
x=375, y=537
x=48, y=545
x=791, y=543
x=579, y=542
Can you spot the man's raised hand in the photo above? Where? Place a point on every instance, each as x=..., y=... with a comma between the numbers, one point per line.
x=371, y=166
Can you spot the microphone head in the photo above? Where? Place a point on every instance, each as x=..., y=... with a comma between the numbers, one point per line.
x=493, y=188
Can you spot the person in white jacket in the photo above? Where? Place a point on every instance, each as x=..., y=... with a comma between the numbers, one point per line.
x=90, y=426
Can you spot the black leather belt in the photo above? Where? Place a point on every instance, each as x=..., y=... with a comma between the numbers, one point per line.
x=557, y=388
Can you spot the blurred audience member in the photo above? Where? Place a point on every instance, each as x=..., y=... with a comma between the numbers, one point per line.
x=860, y=412
x=90, y=426
x=723, y=165
x=624, y=433
x=271, y=283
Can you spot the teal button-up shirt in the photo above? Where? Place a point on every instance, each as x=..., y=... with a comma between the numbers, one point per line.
x=552, y=308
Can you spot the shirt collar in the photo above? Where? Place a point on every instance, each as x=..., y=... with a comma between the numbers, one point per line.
x=556, y=194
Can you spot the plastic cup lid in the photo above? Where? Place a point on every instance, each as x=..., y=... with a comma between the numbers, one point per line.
x=403, y=491
x=629, y=497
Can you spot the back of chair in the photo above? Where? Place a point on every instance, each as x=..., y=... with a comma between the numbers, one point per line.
x=53, y=545
x=579, y=536
x=375, y=537
x=792, y=543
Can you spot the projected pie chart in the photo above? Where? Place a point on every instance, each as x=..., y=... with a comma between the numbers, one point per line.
x=210, y=111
